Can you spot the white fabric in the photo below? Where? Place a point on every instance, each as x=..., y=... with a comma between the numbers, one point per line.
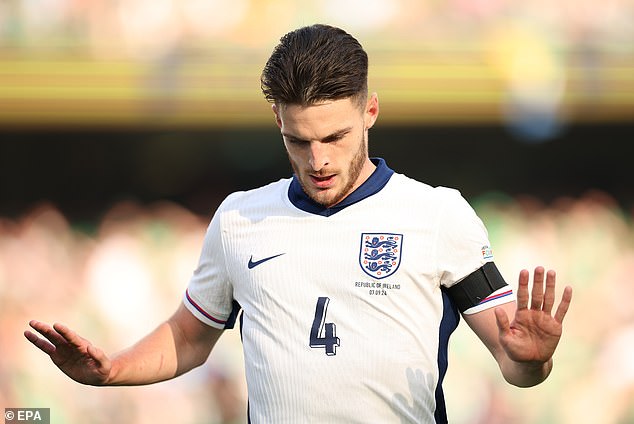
x=385, y=368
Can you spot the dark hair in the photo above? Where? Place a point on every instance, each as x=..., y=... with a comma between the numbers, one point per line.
x=313, y=64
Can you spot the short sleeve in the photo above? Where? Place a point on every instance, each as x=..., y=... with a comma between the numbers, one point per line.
x=209, y=295
x=463, y=242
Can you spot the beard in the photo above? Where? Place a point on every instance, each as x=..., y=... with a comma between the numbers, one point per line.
x=356, y=166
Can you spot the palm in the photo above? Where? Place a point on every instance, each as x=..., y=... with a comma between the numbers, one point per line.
x=76, y=362
x=533, y=336
x=534, y=333
x=72, y=354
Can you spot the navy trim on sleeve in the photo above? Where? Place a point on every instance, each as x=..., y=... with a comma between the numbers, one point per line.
x=231, y=321
x=476, y=287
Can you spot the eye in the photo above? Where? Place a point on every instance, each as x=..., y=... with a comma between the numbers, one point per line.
x=332, y=139
x=295, y=141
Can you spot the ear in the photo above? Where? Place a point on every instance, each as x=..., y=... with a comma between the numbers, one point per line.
x=276, y=111
x=371, y=111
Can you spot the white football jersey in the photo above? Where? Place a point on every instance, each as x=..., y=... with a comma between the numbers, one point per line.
x=343, y=316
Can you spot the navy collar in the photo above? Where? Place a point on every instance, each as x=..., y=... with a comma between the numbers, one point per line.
x=372, y=185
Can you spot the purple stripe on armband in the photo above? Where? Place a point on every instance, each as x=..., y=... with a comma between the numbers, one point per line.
x=201, y=310
x=497, y=296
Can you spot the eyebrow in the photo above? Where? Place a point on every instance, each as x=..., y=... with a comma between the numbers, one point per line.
x=330, y=137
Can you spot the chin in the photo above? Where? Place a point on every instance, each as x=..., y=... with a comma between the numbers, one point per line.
x=326, y=201
x=329, y=202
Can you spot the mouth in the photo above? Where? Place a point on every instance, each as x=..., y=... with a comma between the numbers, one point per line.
x=322, y=182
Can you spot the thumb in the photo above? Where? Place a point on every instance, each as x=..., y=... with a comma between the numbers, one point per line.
x=101, y=359
x=103, y=365
x=96, y=353
x=502, y=321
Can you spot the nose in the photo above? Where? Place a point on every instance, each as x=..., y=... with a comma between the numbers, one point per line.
x=318, y=155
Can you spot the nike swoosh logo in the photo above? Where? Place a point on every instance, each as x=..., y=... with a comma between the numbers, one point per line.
x=252, y=264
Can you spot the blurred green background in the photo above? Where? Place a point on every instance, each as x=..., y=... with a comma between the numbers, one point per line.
x=124, y=124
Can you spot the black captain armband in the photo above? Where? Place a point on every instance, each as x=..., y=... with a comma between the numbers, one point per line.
x=476, y=287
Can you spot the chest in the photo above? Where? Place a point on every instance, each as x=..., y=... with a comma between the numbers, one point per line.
x=286, y=264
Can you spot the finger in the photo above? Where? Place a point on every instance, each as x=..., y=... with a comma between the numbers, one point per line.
x=40, y=343
x=48, y=332
x=537, y=294
x=69, y=335
x=522, y=290
x=549, y=294
x=562, y=309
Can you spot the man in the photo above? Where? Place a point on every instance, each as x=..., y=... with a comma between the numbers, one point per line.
x=347, y=278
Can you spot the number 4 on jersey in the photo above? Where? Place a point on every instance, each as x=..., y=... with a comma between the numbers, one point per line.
x=323, y=334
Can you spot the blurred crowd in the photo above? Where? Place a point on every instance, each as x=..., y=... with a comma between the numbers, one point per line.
x=114, y=282
x=589, y=241
x=143, y=28
x=533, y=65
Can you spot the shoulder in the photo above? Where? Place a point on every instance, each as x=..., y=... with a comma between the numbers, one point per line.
x=435, y=204
x=408, y=186
x=265, y=197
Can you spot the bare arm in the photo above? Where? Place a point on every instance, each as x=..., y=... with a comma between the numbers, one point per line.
x=173, y=348
x=178, y=345
x=524, y=347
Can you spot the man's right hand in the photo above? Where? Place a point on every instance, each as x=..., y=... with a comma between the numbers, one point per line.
x=74, y=355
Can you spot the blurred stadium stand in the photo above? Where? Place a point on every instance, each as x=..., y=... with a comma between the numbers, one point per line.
x=154, y=100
